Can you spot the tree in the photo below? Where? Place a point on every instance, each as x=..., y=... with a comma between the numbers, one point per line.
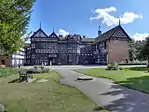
x=132, y=51
x=135, y=48
x=144, y=53
x=14, y=20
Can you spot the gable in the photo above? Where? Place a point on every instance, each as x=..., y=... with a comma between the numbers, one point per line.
x=40, y=34
x=106, y=35
x=53, y=36
x=120, y=34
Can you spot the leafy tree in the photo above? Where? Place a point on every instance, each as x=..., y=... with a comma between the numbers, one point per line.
x=132, y=51
x=14, y=19
x=144, y=53
x=135, y=48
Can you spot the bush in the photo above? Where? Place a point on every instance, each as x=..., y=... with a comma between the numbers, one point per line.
x=120, y=68
x=8, y=71
x=134, y=62
x=40, y=69
x=113, y=66
x=109, y=67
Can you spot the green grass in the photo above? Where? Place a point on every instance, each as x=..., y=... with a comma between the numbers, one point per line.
x=55, y=76
x=43, y=97
x=7, y=71
x=135, y=77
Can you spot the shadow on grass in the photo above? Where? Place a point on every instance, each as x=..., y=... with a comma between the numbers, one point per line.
x=138, y=68
x=98, y=109
x=129, y=100
x=15, y=81
x=137, y=83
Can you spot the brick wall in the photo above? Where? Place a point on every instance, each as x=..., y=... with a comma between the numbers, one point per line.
x=6, y=59
x=118, y=51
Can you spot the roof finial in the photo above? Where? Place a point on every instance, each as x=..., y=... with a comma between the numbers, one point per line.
x=119, y=23
x=40, y=25
x=53, y=28
x=99, y=27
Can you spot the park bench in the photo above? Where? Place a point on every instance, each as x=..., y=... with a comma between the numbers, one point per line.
x=24, y=75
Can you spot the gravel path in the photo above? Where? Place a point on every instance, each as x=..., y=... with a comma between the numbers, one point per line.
x=104, y=92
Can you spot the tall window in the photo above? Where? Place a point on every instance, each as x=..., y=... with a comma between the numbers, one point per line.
x=33, y=45
x=33, y=56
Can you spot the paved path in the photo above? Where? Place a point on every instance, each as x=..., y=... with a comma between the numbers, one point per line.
x=113, y=97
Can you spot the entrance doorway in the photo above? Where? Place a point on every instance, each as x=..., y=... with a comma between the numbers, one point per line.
x=3, y=62
x=52, y=61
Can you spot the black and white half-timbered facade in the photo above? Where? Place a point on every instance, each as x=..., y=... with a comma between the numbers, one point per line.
x=54, y=49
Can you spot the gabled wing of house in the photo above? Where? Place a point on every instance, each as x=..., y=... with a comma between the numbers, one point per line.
x=117, y=31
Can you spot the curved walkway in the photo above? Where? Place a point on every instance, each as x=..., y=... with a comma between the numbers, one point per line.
x=107, y=94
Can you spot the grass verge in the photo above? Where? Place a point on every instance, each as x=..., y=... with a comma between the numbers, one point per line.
x=135, y=77
x=43, y=97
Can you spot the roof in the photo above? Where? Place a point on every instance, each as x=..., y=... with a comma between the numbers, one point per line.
x=53, y=35
x=116, y=31
x=77, y=37
x=40, y=32
x=88, y=39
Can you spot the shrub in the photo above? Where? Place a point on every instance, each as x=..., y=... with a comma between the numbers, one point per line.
x=113, y=66
x=120, y=68
x=8, y=71
x=109, y=67
x=40, y=69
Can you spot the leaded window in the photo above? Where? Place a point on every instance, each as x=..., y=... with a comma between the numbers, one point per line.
x=33, y=45
x=33, y=56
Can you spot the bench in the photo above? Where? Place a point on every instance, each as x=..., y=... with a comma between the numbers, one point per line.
x=23, y=75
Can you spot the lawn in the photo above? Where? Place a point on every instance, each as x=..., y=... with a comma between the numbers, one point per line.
x=135, y=77
x=43, y=97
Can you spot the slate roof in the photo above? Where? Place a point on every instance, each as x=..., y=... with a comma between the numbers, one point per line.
x=88, y=39
x=108, y=34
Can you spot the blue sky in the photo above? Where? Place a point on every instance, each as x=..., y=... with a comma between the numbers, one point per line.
x=84, y=16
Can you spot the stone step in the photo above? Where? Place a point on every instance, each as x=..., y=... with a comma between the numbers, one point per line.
x=84, y=78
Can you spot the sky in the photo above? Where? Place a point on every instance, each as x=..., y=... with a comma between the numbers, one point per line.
x=85, y=16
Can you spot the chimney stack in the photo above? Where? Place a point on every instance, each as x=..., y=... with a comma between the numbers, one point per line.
x=99, y=31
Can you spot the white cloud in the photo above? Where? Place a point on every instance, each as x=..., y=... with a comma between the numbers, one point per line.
x=140, y=36
x=26, y=37
x=63, y=32
x=109, y=20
